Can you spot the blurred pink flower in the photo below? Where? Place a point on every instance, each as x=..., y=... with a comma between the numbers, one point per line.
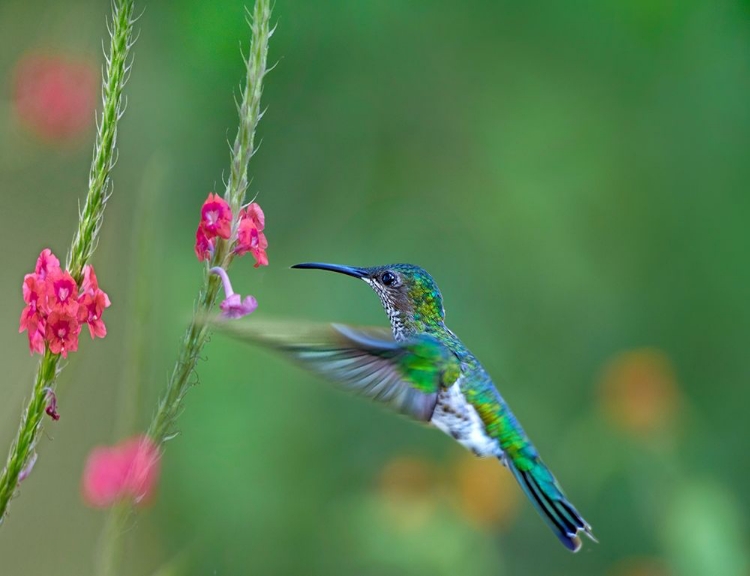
x=126, y=471
x=233, y=306
x=54, y=95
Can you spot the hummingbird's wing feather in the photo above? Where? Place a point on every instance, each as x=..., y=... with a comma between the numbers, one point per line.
x=405, y=376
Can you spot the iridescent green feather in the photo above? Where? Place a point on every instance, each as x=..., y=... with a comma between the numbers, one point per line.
x=404, y=375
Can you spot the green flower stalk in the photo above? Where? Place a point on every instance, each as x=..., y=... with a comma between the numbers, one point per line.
x=105, y=152
x=241, y=231
x=222, y=254
x=79, y=274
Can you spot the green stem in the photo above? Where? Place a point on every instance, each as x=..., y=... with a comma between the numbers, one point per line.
x=105, y=153
x=170, y=403
x=110, y=544
x=162, y=427
x=21, y=453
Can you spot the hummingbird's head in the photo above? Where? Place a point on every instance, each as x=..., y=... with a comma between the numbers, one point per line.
x=408, y=293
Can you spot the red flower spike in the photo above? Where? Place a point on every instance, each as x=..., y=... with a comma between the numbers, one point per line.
x=127, y=471
x=216, y=217
x=62, y=332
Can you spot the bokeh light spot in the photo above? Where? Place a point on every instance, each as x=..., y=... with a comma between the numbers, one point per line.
x=639, y=392
x=486, y=493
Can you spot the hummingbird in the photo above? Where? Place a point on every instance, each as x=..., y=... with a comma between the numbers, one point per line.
x=422, y=370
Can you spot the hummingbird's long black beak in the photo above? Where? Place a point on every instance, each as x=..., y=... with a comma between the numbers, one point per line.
x=348, y=270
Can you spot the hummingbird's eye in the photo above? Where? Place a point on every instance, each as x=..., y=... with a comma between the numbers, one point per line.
x=388, y=278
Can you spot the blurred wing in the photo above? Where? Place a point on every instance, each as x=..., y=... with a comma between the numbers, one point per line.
x=406, y=376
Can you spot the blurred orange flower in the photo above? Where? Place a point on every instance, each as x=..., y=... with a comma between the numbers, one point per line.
x=487, y=495
x=639, y=391
x=407, y=486
x=54, y=95
x=639, y=567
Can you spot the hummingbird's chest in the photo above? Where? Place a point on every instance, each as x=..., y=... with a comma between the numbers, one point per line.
x=460, y=420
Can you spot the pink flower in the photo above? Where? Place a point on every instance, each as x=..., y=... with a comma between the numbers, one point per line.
x=216, y=217
x=62, y=332
x=34, y=294
x=92, y=303
x=127, y=471
x=216, y=221
x=33, y=322
x=90, y=282
x=254, y=213
x=34, y=290
x=62, y=293
x=46, y=264
x=54, y=96
x=55, y=310
x=90, y=311
x=250, y=237
x=233, y=306
x=203, y=246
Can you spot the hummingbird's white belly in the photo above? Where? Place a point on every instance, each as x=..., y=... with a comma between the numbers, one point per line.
x=459, y=419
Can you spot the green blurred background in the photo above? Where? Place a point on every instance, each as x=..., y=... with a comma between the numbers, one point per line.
x=574, y=175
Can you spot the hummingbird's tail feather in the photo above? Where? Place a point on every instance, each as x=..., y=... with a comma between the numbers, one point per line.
x=548, y=499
